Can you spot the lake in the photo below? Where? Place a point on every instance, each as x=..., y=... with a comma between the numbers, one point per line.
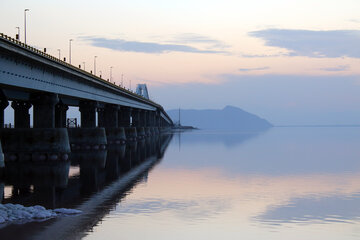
x=285, y=183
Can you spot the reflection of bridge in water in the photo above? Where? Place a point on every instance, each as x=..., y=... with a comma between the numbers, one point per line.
x=104, y=177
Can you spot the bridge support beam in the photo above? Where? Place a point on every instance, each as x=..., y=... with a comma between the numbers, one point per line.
x=60, y=115
x=101, y=117
x=44, y=109
x=88, y=114
x=124, y=115
x=21, y=113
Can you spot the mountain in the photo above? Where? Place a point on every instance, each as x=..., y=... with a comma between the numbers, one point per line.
x=229, y=118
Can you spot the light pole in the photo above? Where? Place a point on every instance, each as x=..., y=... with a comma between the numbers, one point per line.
x=111, y=73
x=84, y=65
x=18, y=34
x=59, y=53
x=95, y=65
x=25, y=23
x=100, y=73
x=70, y=50
x=122, y=78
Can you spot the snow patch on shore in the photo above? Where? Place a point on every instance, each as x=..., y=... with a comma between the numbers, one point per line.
x=16, y=212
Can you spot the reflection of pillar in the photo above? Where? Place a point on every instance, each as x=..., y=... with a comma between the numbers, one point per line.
x=124, y=117
x=135, y=117
x=111, y=115
x=88, y=114
x=21, y=113
x=44, y=109
x=60, y=115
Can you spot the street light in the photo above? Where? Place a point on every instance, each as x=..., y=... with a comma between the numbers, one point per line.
x=25, y=23
x=84, y=65
x=95, y=65
x=18, y=34
x=70, y=50
x=111, y=73
x=59, y=53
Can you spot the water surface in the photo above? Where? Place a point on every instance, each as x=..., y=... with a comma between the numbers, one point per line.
x=285, y=183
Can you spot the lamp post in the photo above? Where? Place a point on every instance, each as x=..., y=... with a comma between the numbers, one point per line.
x=18, y=34
x=59, y=53
x=100, y=73
x=25, y=23
x=111, y=73
x=70, y=50
x=95, y=65
x=122, y=78
x=84, y=65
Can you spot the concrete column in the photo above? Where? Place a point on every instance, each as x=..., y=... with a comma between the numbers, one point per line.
x=60, y=115
x=111, y=115
x=21, y=113
x=135, y=114
x=148, y=118
x=101, y=117
x=88, y=113
x=152, y=119
x=3, y=104
x=44, y=109
x=124, y=115
x=143, y=116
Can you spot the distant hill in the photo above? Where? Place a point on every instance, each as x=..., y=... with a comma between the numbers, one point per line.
x=229, y=118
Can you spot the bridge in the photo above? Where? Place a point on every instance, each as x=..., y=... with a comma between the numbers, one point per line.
x=109, y=113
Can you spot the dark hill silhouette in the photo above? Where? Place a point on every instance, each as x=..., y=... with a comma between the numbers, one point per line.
x=229, y=118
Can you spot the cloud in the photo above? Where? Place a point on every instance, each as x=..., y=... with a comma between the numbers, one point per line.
x=144, y=47
x=188, y=38
x=253, y=69
x=264, y=55
x=339, y=68
x=329, y=44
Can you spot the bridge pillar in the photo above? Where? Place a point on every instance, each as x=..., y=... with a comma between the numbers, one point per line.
x=148, y=118
x=101, y=117
x=44, y=109
x=3, y=104
x=60, y=115
x=88, y=114
x=21, y=113
x=111, y=115
x=143, y=118
x=124, y=115
x=135, y=115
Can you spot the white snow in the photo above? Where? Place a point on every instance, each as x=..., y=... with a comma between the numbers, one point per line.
x=16, y=212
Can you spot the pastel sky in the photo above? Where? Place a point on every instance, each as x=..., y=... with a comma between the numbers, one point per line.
x=291, y=62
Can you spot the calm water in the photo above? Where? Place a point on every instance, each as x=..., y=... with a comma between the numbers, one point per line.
x=286, y=183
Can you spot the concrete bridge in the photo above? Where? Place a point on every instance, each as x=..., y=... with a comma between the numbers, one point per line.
x=32, y=78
